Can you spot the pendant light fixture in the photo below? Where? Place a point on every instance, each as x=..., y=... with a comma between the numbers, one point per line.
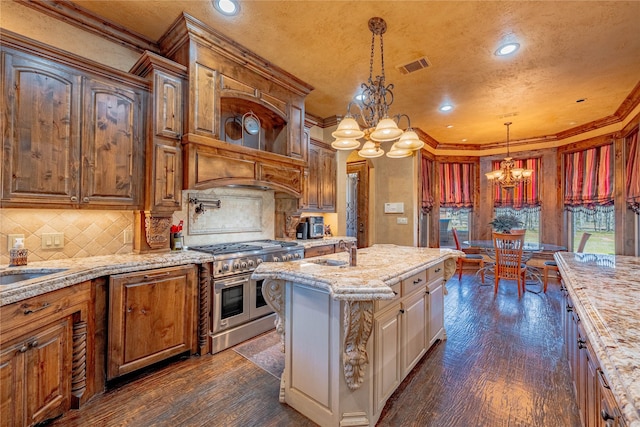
x=508, y=176
x=373, y=110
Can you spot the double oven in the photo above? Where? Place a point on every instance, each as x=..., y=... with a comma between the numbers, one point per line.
x=238, y=308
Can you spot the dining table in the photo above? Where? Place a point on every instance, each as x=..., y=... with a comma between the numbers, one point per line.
x=533, y=274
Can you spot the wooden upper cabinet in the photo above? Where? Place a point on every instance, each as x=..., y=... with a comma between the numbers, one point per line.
x=320, y=189
x=168, y=105
x=42, y=135
x=74, y=130
x=112, y=144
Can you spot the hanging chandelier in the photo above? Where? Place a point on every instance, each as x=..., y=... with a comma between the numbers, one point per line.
x=373, y=104
x=508, y=176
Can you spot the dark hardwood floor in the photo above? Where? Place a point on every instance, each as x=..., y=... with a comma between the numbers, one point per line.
x=503, y=364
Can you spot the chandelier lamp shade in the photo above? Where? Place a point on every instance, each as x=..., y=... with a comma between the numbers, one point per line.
x=375, y=126
x=508, y=176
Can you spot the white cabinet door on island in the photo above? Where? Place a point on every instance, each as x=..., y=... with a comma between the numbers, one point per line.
x=351, y=334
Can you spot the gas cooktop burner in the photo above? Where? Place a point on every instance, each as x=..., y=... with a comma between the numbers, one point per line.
x=230, y=248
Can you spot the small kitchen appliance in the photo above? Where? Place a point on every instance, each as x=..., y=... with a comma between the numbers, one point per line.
x=302, y=230
x=316, y=227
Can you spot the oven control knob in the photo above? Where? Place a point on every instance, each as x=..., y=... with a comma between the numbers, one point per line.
x=251, y=263
x=296, y=256
x=225, y=267
x=236, y=266
x=288, y=258
x=243, y=265
x=259, y=261
x=276, y=259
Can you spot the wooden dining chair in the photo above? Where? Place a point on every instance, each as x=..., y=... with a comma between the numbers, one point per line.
x=468, y=259
x=553, y=266
x=509, y=266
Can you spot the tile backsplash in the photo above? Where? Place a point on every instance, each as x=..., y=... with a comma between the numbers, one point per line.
x=86, y=232
x=245, y=214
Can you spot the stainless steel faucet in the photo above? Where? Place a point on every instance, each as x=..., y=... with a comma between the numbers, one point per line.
x=352, y=249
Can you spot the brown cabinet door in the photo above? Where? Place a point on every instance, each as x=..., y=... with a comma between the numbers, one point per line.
x=35, y=376
x=112, y=145
x=328, y=181
x=151, y=317
x=48, y=373
x=315, y=164
x=167, y=177
x=42, y=143
x=168, y=105
x=12, y=385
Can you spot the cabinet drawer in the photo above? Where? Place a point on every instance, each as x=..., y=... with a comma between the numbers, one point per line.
x=435, y=272
x=413, y=283
x=381, y=304
x=32, y=310
x=319, y=250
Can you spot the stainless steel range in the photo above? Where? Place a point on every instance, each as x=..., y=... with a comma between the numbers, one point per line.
x=238, y=309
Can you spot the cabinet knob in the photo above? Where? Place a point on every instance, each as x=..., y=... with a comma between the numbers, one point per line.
x=23, y=349
x=85, y=199
x=402, y=311
x=581, y=343
x=34, y=343
x=438, y=270
x=74, y=199
x=415, y=282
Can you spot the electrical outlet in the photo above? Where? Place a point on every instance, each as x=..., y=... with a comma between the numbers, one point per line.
x=52, y=240
x=402, y=220
x=127, y=236
x=11, y=240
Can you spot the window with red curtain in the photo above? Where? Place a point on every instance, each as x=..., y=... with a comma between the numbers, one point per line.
x=427, y=182
x=456, y=185
x=523, y=196
x=633, y=173
x=588, y=179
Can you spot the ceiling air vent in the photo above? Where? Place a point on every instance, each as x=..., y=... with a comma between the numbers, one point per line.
x=414, y=66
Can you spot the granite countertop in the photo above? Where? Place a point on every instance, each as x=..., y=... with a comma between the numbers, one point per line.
x=605, y=290
x=77, y=270
x=378, y=268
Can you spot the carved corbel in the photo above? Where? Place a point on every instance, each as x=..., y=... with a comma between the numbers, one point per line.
x=358, y=322
x=79, y=360
x=156, y=230
x=273, y=293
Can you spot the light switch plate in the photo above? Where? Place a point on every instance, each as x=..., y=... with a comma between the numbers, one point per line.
x=11, y=240
x=402, y=220
x=52, y=240
x=394, y=207
x=127, y=236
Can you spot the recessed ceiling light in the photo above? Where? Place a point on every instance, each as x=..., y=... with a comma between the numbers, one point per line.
x=449, y=126
x=446, y=107
x=464, y=139
x=507, y=49
x=226, y=7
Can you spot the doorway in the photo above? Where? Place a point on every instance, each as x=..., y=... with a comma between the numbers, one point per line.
x=358, y=202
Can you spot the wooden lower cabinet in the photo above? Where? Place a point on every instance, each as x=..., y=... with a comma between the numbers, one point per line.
x=151, y=317
x=45, y=355
x=595, y=400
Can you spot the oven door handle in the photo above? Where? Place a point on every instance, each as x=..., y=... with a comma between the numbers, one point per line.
x=222, y=285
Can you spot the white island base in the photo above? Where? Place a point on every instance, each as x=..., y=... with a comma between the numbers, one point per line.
x=344, y=358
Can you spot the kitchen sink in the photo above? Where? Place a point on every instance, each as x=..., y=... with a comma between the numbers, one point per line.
x=9, y=277
x=330, y=262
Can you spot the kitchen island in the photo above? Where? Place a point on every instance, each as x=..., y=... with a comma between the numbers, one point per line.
x=603, y=297
x=351, y=334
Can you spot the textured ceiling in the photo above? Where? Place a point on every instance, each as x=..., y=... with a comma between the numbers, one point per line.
x=570, y=50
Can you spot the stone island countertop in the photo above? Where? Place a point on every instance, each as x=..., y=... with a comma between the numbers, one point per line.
x=605, y=290
x=310, y=243
x=77, y=270
x=378, y=268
